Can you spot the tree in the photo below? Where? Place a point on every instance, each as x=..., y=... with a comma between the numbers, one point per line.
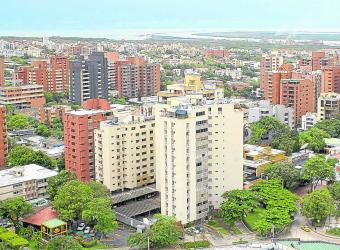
x=71, y=199
x=42, y=130
x=61, y=162
x=318, y=205
x=271, y=194
x=318, y=168
x=99, y=190
x=272, y=131
x=164, y=232
x=63, y=243
x=14, y=208
x=286, y=172
x=314, y=137
x=22, y=155
x=10, y=109
x=270, y=218
x=334, y=190
x=17, y=121
x=331, y=127
x=57, y=181
x=99, y=210
x=237, y=203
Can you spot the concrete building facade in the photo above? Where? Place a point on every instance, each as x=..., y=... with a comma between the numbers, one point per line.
x=125, y=152
x=88, y=78
x=198, y=157
x=29, y=181
x=3, y=137
x=328, y=106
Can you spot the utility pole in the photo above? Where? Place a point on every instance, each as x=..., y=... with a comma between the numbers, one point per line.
x=148, y=243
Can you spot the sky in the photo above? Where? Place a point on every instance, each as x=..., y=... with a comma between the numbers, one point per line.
x=101, y=17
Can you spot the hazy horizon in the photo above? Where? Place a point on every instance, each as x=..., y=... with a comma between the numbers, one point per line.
x=105, y=18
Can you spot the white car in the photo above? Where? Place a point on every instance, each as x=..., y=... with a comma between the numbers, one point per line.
x=81, y=226
x=87, y=230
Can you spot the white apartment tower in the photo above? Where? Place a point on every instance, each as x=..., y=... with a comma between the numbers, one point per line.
x=124, y=152
x=198, y=157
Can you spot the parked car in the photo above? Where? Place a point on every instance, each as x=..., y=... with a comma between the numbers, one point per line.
x=81, y=226
x=87, y=230
x=305, y=228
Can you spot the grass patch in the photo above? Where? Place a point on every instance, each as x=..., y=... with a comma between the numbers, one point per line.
x=196, y=244
x=235, y=229
x=251, y=218
x=333, y=231
x=214, y=224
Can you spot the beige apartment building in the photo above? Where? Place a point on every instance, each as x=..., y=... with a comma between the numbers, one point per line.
x=328, y=106
x=198, y=156
x=125, y=152
x=29, y=181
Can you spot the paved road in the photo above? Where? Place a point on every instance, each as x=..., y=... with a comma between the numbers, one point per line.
x=297, y=232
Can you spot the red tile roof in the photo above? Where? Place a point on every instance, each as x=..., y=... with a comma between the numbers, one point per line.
x=41, y=216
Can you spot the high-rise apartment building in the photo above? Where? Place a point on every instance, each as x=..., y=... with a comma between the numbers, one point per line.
x=135, y=77
x=88, y=78
x=53, y=76
x=2, y=71
x=330, y=79
x=269, y=63
x=3, y=137
x=198, y=157
x=125, y=151
x=59, y=77
x=298, y=94
x=328, y=106
x=79, y=126
x=216, y=53
x=317, y=57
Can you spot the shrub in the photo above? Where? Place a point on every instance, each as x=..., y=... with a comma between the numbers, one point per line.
x=196, y=244
x=334, y=231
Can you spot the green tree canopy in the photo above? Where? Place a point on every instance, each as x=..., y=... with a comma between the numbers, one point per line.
x=334, y=190
x=271, y=194
x=99, y=190
x=71, y=199
x=318, y=168
x=56, y=182
x=101, y=212
x=42, y=130
x=237, y=203
x=17, y=121
x=286, y=172
x=77, y=200
x=63, y=243
x=272, y=131
x=22, y=155
x=14, y=208
x=164, y=232
x=331, y=127
x=314, y=137
x=318, y=205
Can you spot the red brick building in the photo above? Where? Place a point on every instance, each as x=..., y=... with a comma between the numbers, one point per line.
x=79, y=128
x=59, y=74
x=3, y=137
x=298, y=94
x=216, y=53
x=54, y=76
x=317, y=56
x=330, y=79
x=2, y=72
x=136, y=77
x=269, y=63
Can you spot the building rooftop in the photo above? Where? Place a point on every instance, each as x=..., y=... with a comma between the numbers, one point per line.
x=332, y=141
x=54, y=223
x=24, y=173
x=41, y=216
x=86, y=112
